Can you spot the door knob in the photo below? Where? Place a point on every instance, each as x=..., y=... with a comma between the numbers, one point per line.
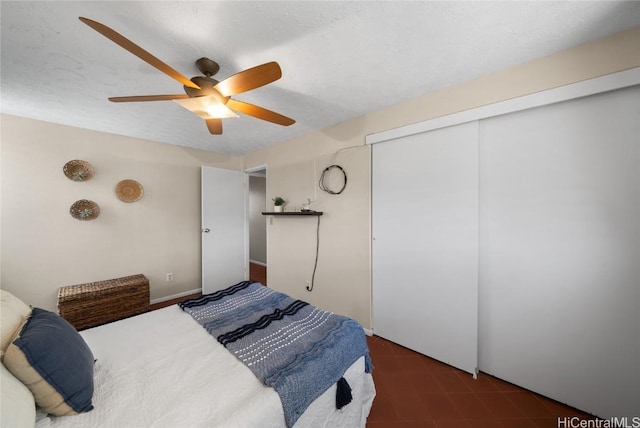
x=206, y=230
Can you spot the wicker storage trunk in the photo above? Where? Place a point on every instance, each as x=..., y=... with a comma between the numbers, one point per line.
x=96, y=303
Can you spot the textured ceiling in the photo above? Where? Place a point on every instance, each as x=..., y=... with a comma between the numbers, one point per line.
x=340, y=60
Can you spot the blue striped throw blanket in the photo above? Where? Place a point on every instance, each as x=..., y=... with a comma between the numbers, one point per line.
x=290, y=345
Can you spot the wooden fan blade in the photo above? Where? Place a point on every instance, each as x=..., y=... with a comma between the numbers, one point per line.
x=137, y=98
x=215, y=126
x=260, y=113
x=138, y=51
x=249, y=79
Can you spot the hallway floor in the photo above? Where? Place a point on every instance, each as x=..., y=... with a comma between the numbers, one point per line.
x=417, y=391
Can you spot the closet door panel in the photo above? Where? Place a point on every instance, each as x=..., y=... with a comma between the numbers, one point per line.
x=560, y=251
x=425, y=243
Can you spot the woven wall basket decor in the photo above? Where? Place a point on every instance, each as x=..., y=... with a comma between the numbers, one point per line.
x=129, y=190
x=84, y=209
x=78, y=170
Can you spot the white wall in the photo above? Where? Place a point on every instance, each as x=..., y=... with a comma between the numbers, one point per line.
x=44, y=248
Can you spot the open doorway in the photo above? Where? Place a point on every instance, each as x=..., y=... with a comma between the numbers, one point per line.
x=257, y=225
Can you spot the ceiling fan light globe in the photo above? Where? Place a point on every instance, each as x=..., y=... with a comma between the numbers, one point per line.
x=207, y=107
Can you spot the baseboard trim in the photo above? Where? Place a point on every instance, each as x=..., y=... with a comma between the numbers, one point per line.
x=258, y=263
x=368, y=331
x=175, y=296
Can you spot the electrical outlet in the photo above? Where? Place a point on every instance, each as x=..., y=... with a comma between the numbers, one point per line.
x=169, y=276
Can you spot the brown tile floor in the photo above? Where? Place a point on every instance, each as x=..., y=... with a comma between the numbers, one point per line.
x=416, y=391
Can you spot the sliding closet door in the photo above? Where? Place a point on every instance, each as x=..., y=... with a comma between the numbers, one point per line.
x=425, y=243
x=560, y=251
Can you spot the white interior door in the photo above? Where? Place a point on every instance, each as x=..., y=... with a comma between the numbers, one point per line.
x=425, y=243
x=559, y=240
x=560, y=251
x=224, y=228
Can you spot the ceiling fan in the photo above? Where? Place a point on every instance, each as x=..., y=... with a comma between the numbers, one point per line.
x=205, y=96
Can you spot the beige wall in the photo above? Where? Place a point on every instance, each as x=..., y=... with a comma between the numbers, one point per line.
x=44, y=248
x=343, y=278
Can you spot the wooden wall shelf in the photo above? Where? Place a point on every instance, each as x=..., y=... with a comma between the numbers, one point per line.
x=312, y=213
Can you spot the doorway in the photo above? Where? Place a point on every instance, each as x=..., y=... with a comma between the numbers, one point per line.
x=257, y=225
x=224, y=228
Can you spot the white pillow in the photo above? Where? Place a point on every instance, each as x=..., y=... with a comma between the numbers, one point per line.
x=13, y=312
x=17, y=407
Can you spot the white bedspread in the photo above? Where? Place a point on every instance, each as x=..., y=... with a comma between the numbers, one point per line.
x=162, y=369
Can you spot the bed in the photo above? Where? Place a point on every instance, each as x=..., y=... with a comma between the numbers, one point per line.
x=174, y=368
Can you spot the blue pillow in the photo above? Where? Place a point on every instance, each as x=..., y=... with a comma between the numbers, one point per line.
x=51, y=358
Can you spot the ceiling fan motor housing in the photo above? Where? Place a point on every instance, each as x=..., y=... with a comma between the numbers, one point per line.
x=206, y=88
